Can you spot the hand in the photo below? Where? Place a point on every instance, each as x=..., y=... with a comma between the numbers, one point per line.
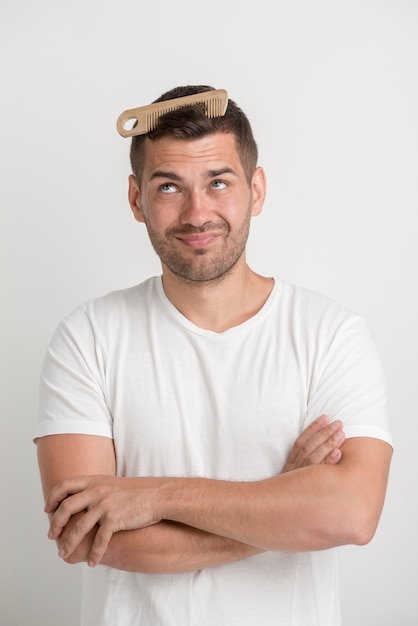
x=107, y=503
x=319, y=443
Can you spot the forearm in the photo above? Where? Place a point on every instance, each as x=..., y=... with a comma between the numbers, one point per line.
x=170, y=548
x=312, y=508
x=164, y=548
x=276, y=514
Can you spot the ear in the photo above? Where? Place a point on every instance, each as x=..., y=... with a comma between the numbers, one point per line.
x=134, y=196
x=258, y=190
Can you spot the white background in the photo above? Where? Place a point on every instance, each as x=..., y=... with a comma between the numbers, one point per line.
x=331, y=90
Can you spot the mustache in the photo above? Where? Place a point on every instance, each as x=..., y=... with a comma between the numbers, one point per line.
x=189, y=229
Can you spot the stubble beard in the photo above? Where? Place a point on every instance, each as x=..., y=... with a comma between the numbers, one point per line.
x=201, y=265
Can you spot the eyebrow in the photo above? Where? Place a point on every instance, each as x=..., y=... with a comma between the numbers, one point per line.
x=165, y=174
x=209, y=174
x=221, y=171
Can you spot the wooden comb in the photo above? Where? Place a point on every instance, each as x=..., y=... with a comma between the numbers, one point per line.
x=144, y=119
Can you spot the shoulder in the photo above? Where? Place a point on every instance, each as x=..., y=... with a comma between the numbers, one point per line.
x=321, y=324
x=312, y=308
x=108, y=314
x=123, y=300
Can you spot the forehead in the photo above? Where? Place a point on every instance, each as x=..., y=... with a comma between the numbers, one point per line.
x=217, y=148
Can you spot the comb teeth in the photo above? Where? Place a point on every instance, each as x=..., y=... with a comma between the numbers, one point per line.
x=145, y=119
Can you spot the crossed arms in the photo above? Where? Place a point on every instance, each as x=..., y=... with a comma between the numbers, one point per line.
x=324, y=497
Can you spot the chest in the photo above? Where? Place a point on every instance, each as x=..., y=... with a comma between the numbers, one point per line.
x=226, y=408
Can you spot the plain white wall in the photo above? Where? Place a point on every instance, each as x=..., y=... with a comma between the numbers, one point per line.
x=331, y=90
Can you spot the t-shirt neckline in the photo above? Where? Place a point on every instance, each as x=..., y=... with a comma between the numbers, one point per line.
x=186, y=323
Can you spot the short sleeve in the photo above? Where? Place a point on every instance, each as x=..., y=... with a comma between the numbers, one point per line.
x=72, y=398
x=349, y=384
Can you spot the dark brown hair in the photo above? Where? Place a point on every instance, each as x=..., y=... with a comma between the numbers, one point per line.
x=191, y=123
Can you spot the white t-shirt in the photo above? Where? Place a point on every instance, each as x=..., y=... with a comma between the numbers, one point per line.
x=182, y=401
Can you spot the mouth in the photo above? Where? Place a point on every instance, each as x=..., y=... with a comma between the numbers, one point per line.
x=198, y=240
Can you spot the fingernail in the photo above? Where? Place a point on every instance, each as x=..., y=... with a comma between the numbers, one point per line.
x=339, y=436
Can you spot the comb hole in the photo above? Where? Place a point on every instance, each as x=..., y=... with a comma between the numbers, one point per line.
x=130, y=123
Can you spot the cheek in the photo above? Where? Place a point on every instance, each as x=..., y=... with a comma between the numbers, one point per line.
x=241, y=209
x=160, y=218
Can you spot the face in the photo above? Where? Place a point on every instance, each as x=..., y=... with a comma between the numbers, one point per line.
x=197, y=204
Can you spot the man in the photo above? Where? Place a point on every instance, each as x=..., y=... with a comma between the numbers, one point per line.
x=169, y=411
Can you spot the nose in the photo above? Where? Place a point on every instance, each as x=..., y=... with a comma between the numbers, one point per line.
x=195, y=210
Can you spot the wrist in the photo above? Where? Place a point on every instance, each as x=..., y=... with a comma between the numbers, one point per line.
x=167, y=499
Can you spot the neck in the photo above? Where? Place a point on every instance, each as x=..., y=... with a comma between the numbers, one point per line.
x=222, y=303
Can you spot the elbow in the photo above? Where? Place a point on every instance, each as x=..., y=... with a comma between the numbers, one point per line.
x=362, y=537
x=361, y=528
x=364, y=532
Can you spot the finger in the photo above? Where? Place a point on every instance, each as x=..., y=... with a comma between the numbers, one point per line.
x=313, y=428
x=313, y=445
x=63, y=489
x=333, y=457
x=80, y=529
x=100, y=544
x=70, y=506
x=322, y=446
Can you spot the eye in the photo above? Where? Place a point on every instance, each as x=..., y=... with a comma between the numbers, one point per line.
x=219, y=184
x=168, y=188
